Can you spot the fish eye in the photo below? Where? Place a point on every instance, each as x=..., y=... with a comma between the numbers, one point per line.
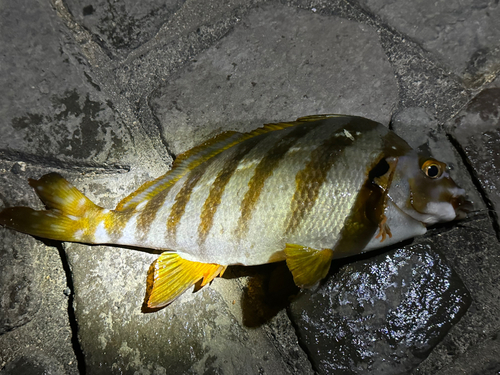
x=433, y=169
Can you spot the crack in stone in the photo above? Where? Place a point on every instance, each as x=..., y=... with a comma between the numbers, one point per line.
x=50, y=162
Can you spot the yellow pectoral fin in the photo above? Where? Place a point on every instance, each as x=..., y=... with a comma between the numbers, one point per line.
x=170, y=275
x=308, y=266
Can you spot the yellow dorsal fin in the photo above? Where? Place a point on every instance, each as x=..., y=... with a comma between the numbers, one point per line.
x=69, y=211
x=170, y=275
x=308, y=266
x=193, y=158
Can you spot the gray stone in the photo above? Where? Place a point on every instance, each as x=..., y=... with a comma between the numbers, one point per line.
x=19, y=283
x=197, y=334
x=471, y=346
x=422, y=81
x=124, y=25
x=477, y=129
x=382, y=315
x=34, y=323
x=269, y=69
x=463, y=34
x=34, y=363
x=192, y=29
x=52, y=114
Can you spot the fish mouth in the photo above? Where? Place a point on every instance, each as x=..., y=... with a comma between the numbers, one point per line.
x=462, y=206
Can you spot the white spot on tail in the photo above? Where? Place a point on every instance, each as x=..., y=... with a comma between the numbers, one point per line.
x=101, y=234
x=74, y=218
x=78, y=234
x=82, y=202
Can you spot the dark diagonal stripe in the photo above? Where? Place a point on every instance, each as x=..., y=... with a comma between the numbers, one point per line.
x=148, y=214
x=214, y=197
x=182, y=198
x=264, y=170
x=309, y=180
x=118, y=222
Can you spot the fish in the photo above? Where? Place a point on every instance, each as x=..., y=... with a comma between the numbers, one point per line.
x=305, y=192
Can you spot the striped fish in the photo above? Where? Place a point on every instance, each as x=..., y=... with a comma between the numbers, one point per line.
x=306, y=192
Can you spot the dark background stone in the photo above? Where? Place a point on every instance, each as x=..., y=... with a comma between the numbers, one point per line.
x=381, y=315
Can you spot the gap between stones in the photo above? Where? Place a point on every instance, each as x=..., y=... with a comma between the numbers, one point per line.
x=475, y=180
x=77, y=349
x=300, y=340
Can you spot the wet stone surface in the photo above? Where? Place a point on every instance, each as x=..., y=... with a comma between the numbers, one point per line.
x=19, y=283
x=381, y=315
x=471, y=346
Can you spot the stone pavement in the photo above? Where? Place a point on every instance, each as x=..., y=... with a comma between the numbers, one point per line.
x=107, y=92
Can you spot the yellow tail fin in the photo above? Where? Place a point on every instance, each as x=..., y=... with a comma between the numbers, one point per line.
x=68, y=215
x=170, y=275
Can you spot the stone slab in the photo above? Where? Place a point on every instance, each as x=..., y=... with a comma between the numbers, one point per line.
x=123, y=26
x=381, y=315
x=270, y=69
x=464, y=35
x=477, y=130
x=470, y=347
x=35, y=330
x=51, y=112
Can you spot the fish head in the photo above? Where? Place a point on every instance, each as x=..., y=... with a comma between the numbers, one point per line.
x=422, y=188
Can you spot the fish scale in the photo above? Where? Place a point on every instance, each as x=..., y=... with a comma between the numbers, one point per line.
x=306, y=192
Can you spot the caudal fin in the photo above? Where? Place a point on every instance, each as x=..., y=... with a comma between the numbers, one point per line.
x=67, y=218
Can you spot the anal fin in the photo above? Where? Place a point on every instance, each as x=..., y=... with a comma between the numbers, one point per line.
x=308, y=266
x=170, y=275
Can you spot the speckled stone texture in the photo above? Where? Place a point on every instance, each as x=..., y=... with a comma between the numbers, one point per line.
x=108, y=93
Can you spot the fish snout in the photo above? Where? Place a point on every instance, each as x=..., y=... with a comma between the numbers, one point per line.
x=462, y=206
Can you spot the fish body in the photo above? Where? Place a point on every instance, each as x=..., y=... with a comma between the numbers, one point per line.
x=307, y=192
